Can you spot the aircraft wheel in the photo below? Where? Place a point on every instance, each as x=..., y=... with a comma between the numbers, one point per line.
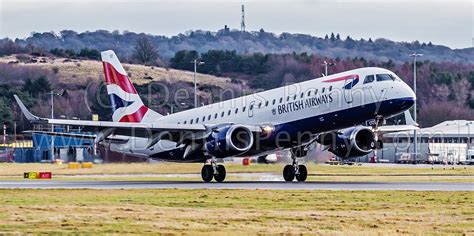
x=207, y=172
x=379, y=144
x=301, y=177
x=289, y=173
x=220, y=175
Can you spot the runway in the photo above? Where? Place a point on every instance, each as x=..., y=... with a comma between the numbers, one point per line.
x=276, y=185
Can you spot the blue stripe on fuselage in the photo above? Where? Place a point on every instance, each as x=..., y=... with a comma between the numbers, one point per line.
x=316, y=124
x=350, y=116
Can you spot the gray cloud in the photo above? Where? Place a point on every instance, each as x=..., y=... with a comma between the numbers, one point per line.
x=449, y=23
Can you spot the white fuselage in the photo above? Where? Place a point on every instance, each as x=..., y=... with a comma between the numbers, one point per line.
x=317, y=103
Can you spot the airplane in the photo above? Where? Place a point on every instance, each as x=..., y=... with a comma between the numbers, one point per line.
x=333, y=110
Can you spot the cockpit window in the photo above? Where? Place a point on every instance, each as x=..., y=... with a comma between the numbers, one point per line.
x=369, y=79
x=384, y=77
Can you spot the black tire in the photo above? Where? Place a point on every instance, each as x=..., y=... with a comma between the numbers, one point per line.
x=207, y=173
x=301, y=177
x=379, y=144
x=220, y=175
x=289, y=173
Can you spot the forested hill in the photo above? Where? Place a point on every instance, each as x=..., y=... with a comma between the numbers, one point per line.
x=331, y=45
x=242, y=61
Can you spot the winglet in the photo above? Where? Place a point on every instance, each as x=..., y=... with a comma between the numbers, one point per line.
x=24, y=110
x=409, y=119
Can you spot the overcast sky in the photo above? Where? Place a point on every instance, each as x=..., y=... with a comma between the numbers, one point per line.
x=446, y=22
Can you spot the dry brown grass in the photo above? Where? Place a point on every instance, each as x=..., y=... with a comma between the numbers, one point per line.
x=236, y=212
x=78, y=72
x=126, y=171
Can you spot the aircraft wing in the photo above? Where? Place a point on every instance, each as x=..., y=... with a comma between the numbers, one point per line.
x=396, y=128
x=169, y=131
x=112, y=139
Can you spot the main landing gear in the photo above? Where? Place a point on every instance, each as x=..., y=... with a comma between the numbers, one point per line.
x=290, y=172
x=213, y=170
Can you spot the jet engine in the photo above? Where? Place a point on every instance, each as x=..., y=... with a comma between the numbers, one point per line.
x=232, y=140
x=353, y=142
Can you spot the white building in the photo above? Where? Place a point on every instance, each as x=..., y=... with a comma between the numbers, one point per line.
x=447, y=142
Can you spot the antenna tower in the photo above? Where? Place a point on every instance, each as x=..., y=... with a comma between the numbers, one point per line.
x=242, y=23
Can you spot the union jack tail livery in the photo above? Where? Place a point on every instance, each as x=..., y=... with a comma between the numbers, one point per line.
x=127, y=105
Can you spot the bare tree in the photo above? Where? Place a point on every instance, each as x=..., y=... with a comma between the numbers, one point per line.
x=145, y=52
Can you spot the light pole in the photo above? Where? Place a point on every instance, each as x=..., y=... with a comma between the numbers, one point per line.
x=4, y=134
x=196, y=63
x=415, y=135
x=469, y=135
x=326, y=64
x=52, y=94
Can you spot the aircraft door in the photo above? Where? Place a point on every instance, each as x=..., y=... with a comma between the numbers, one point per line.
x=348, y=84
x=251, y=107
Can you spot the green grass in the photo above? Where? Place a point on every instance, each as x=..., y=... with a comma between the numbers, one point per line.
x=236, y=212
x=316, y=172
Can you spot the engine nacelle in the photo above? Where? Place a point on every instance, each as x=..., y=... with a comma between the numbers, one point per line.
x=353, y=142
x=232, y=140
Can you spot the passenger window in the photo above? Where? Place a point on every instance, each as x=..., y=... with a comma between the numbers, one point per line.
x=179, y=122
x=236, y=110
x=228, y=113
x=322, y=90
x=316, y=92
x=184, y=122
x=369, y=79
x=266, y=103
x=191, y=121
x=215, y=116
x=302, y=94
x=309, y=93
x=203, y=118
x=281, y=100
x=209, y=117
x=259, y=105
x=243, y=109
x=197, y=120
x=330, y=88
x=383, y=77
x=251, y=107
x=274, y=101
x=222, y=114
x=294, y=97
x=288, y=98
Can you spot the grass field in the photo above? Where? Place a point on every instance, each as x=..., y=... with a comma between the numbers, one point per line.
x=80, y=71
x=135, y=171
x=236, y=212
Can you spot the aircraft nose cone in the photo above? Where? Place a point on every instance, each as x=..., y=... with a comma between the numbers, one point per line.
x=409, y=97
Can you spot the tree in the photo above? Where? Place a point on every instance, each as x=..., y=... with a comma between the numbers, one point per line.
x=333, y=38
x=182, y=60
x=144, y=51
x=5, y=113
x=38, y=86
x=93, y=54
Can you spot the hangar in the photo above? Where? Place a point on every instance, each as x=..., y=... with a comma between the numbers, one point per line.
x=448, y=142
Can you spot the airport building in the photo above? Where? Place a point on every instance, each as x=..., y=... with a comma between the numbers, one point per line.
x=448, y=142
x=44, y=146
